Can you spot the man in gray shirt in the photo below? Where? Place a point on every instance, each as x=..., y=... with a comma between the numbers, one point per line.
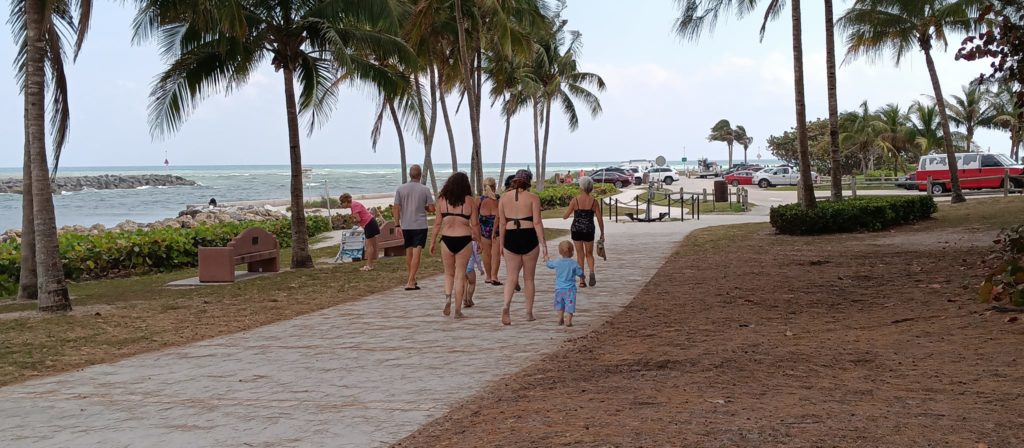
x=413, y=201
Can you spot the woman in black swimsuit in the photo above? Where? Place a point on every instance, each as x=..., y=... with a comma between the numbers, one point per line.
x=458, y=226
x=522, y=237
x=584, y=208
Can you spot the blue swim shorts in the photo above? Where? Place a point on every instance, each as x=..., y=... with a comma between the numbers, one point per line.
x=565, y=300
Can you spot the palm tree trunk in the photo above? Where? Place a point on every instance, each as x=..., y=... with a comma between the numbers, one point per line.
x=28, y=288
x=468, y=81
x=52, y=289
x=448, y=123
x=806, y=187
x=479, y=111
x=745, y=147
x=401, y=139
x=729, y=144
x=504, y=149
x=947, y=135
x=536, y=139
x=301, y=257
x=547, y=133
x=428, y=128
x=970, y=138
x=835, y=172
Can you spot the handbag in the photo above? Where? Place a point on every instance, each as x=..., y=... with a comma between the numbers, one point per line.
x=600, y=249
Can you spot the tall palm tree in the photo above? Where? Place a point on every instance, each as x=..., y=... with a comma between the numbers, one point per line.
x=924, y=120
x=723, y=132
x=875, y=27
x=41, y=30
x=513, y=83
x=836, y=172
x=698, y=15
x=560, y=80
x=861, y=135
x=402, y=107
x=897, y=137
x=1009, y=116
x=744, y=140
x=308, y=42
x=971, y=111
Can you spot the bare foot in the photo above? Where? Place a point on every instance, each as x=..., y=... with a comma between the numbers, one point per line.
x=448, y=307
x=505, y=318
x=561, y=322
x=468, y=303
x=568, y=324
x=459, y=315
x=529, y=317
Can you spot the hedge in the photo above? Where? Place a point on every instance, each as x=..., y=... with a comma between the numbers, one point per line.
x=866, y=213
x=559, y=196
x=109, y=254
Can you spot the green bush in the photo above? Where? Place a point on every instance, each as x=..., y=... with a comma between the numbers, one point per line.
x=871, y=213
x=109, y=254
x=559, y=196
x=1006, y=281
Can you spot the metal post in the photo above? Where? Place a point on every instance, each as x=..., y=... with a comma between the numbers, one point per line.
x=616, y=209
x=929, y=185
x=853, y=186
x=705, y=195
x=636, y=200
x=327, y=192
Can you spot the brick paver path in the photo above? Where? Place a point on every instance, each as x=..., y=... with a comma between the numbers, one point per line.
x=361, y=374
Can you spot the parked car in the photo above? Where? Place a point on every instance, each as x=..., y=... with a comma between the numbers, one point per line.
x=737, y=167
x=610, y=177
x=780, y=176
x=665, y=174
x=977, y=171
x=615, y=169
x=908, y=182
x=740, y=178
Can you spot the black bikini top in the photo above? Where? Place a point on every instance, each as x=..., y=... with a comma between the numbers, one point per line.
x=461, y=215
x=519, y=225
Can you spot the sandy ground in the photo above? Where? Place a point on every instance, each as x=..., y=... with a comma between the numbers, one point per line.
x=870, y=340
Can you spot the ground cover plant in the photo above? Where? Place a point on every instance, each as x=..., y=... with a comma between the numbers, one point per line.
x=1005, y=283
x=866, y=213
x=560, y=195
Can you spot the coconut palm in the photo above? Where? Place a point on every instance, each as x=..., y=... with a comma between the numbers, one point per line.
x=1009, y=116
x=308, y=42
x=723, y=132
x=875, y=27
x=402, y=107
x=861, y=135
x=744, y=140
x=41, y=31
x=971, y=111
x=897, y=137
x=513, y=83
x=924, y=120
x=560, y=80
x=836, y=173
x=698, y=15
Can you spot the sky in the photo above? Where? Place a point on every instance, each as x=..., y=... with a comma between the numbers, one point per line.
x=663, y=97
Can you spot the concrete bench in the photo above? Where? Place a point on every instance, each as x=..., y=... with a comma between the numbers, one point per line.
x=255, y=247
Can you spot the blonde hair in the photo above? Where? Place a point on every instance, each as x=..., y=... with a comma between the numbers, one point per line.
x=489, y=185
x=565, y=249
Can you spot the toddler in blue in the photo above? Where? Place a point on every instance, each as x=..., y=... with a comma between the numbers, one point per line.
x=475, y=265
x=566, y=273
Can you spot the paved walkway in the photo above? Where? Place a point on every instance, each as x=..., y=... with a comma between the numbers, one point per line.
x=356, y=375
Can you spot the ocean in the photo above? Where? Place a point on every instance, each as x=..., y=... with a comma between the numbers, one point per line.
x=226, y=184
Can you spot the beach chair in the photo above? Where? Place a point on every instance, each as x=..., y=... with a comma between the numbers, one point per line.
x=352, y=244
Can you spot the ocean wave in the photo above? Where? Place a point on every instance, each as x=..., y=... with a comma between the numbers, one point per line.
x=144, y=187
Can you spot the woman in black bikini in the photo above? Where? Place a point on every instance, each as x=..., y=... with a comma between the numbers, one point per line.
x=489, y=251
x=458, y=226
x=584, y=208
x=522, y=237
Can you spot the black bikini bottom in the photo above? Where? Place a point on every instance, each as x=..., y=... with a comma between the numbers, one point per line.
x=455, y=244
x=521, y=241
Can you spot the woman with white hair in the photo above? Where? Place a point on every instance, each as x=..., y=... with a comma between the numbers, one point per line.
x=584, y=208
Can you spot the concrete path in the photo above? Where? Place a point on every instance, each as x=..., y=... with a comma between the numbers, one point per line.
x=356, y=375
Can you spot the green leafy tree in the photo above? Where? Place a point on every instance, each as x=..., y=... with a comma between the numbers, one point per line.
x=897, y=27
x=41, y=30
x=723, y=132
x=861, y=136
x=744, y=140
x=219, y=47
x=971, y=111
x=1009, y=111
x=897, y=137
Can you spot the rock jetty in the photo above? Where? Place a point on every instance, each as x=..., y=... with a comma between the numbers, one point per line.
x=103, y=182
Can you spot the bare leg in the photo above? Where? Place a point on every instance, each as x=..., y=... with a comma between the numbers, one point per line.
x=495, y=255
x=417, y=252
x=370, y=252
x=529, y=272
x=568, y=322
x=561, y=317
x=470, y=289
x=449, y=276
x=411, y=280
x=513, y=264
x=461, y=260
x=590, y=257
x=581, y=259
x=485, y=256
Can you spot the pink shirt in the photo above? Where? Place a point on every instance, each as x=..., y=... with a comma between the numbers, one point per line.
x=362, y=213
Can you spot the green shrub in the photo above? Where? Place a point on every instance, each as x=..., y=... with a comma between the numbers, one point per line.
x=109, y=254
x=871, y=213
x=1006, y=281
x=559, y=196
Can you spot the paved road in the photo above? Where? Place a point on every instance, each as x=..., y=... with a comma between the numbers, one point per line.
x=361, y=374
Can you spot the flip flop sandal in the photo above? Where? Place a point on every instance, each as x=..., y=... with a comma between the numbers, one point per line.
x=496, y=283
x=593, y=279
x=414, y=288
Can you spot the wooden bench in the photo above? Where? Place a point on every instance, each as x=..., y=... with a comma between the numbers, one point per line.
x=255, y=247
x=390, y=240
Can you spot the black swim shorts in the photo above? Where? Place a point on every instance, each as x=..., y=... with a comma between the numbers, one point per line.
x=415, y=238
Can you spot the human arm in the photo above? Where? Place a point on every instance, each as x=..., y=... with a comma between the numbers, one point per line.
x=396, y=211
x=430, y=203
x=435, y=234
x=474, y=218
x=538, y=225
x=500, y=224
x=600, y=219
x=572, y=208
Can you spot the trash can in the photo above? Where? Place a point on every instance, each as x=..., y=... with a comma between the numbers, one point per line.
x=721, y=191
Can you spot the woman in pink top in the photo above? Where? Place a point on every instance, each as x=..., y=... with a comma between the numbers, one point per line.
x=369, y=225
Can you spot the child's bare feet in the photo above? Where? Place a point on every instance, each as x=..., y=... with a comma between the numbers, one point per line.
x=561, y=321
x=568, y=324
x=505, y=318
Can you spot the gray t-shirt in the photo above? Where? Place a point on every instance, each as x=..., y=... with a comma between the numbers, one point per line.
x=413, y=197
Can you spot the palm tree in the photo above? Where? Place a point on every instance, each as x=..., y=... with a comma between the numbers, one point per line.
x=836, y=173
x=39, y=32
x=875, y=27
x=560, y=80
x=308, y=42
x=897, y=137
x=513, y=83
x=744, y=140
x=861, y=135
x=696, y=15
x=723, y=132
x=924, y=120
x=1009, y=116
x=971, y=111
x=402, y=107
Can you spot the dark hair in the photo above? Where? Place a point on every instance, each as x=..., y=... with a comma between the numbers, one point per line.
x=456, y=189
x=520, y=184
x=508, y=181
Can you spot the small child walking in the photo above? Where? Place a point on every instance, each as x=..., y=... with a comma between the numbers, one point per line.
x=566, y=273
x=475, y=264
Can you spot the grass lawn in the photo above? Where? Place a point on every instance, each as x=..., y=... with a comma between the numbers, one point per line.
x=118, y=318
x=825, y=188
x=705, y=206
